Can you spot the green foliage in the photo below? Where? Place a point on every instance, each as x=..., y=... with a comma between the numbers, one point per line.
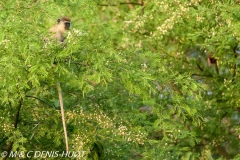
x=136, y=82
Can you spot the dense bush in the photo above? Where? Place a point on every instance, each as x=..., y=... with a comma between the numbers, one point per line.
x=140, y=80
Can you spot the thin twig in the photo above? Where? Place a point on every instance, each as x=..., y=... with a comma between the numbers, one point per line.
x=39, y=100
x=121, y=3
x=235, y=65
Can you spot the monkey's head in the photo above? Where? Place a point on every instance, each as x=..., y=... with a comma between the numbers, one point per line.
x=64, y=23
x=59, y=29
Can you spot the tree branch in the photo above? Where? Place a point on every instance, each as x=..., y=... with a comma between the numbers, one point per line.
x=62, y=112
x=130, y=6
x=222, y=151
x=16, y=119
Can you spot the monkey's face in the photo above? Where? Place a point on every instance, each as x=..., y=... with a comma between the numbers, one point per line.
x=64, y=24
x=67, y=25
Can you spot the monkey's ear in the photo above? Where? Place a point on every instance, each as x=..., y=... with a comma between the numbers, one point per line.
x=58, y=20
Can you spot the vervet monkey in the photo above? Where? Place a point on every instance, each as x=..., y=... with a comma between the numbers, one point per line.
x=59, y=29
x=62, y=25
